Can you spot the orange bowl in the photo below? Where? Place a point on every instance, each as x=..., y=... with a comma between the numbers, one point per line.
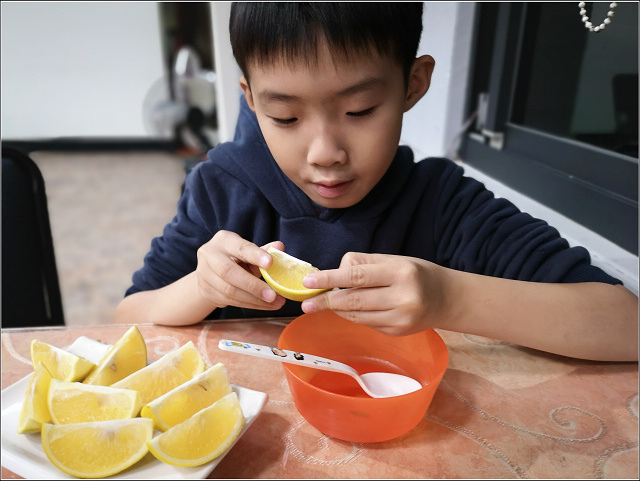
x=334, y=403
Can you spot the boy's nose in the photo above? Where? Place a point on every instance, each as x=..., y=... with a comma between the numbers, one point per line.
x=325, y=148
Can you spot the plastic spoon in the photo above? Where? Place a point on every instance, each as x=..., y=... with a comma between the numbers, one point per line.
x=375, y=384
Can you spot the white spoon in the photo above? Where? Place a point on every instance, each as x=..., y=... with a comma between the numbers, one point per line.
x=375, y=384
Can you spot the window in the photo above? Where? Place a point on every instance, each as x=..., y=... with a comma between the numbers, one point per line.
x=556, y=109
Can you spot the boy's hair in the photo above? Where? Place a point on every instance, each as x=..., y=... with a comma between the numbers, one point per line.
x=263, y=32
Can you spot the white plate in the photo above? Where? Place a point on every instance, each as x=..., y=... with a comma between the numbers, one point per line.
x=23, y=454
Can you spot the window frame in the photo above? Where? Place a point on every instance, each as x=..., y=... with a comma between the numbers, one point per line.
x=593, y=186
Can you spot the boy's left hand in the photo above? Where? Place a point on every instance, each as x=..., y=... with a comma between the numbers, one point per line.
x=396, y=295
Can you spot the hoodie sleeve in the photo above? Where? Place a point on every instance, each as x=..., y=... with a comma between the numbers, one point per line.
x=215, y=197
x=174, y=254
x=490, y=236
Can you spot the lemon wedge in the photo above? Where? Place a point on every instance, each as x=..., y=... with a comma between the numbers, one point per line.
x=187, y=399
x=127, y=355
x=75, y=402
x=168, y=372
x=202, y=437
x=61, y=364
x=97, y=449
x=285, y=276
x=34, y=411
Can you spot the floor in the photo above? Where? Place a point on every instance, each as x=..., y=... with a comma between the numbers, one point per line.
x=104, y=210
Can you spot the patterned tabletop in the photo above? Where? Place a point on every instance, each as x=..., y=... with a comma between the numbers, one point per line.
x=501, y=411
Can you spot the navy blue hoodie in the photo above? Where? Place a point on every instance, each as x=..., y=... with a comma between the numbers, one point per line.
x=426, y=209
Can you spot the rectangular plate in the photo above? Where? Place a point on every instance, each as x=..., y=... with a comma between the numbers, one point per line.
x=23, y=453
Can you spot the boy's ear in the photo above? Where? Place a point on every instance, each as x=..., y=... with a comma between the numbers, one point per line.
x=247, y=92
x=419, y=80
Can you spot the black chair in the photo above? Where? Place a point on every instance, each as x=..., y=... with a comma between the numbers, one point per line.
x=30, y=289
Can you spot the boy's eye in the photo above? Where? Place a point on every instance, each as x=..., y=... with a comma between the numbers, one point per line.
x=362, y=113
x=284, y=121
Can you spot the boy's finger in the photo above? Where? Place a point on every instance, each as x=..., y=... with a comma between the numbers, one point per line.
x=359, y=301
x=247, y=291
x=361, y=275
x=252, y=254
x=360, y=258
x=239, y=249
x=315, y=304
x=277, y=244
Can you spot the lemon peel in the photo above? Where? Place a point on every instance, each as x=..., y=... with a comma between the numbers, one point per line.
x=34, y=411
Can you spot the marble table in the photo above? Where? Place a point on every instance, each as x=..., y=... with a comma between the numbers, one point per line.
x=501, y=411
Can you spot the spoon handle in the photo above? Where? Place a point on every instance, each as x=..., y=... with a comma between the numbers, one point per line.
x=283, y=355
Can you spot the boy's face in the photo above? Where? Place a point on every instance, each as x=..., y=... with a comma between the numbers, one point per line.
x=333, y=128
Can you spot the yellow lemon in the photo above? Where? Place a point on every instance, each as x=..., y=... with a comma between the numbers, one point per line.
x=75, y=402
x=168, y=372
x=34, y=410
x=126, y=356
x=187, y=399
x=61, y=364
x=97, y=449
x=202, y=437
x=285, y=276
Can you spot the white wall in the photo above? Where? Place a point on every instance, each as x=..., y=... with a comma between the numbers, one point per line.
x=83, y=69
x=78, y=69
x=436, y=120
x=228, y=73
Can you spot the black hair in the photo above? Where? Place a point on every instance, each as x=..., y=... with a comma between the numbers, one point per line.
x=265, y=31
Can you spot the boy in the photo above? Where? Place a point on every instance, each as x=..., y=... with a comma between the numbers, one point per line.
x=405, y=246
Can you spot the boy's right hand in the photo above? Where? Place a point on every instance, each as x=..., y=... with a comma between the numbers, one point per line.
x=227, y=273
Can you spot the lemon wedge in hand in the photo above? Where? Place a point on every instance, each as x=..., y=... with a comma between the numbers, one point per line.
x=285, y=276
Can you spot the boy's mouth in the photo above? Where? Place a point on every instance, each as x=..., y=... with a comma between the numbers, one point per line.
x=332, y=190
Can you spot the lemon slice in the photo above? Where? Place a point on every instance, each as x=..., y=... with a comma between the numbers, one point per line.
x=61, y=364
x=126, y=356
x=187, y=399
x=202, y=437
x=75, y=402
x=34, y=410
x=97, y=449
x=168, y=372
x=285, y=276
